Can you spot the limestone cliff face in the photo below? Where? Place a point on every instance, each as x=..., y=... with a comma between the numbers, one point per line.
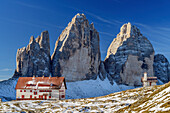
x=77, y=53
x=129, y=55
x=161, y=68
x=35, y=58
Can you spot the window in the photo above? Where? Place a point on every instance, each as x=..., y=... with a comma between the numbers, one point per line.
x=30, y=96
x=30, y=90
x=22, y=96
x=61, y=90
x=35, y=93
x=20, y=90
x=24, y=90
x=40, y=96
x=45, y=91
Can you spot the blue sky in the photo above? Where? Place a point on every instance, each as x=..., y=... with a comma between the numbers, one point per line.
x=20, y=19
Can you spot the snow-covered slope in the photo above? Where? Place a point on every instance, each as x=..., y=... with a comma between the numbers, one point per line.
x=140, y=100
x=7, y=89
x=75, y=90
x=92, y=88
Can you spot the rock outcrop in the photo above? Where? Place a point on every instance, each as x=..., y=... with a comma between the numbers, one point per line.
x=35, y=58
x=129, y=55
x=161, y=68
x=77, y=53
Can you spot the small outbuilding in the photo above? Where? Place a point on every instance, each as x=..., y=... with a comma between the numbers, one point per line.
x=148, y=81
x=40, y=88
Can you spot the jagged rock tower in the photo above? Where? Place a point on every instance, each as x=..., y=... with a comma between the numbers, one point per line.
x=129, y=55
x=35, y=58
x=77, y=52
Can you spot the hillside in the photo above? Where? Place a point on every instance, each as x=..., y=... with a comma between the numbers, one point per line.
x=155, y=98
x=158, y=101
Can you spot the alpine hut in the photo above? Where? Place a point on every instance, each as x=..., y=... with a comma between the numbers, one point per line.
x=40, y=88
x=148, y=81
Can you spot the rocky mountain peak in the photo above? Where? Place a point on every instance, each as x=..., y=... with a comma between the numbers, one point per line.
x=129, y=30
x=35, y=58
x=31, y=39
x=161, y=68
x=79, y=18
x=44, y=41
x=77, y=53
x=92, y=25
x=129, y=54
x=38, y=39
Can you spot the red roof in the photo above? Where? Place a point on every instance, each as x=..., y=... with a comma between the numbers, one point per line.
x=24, y=82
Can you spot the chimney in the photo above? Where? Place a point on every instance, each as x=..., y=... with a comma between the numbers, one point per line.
x=33, y=77
x=145, y=76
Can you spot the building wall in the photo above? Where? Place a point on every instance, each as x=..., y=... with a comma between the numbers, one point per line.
x=27, y=92
x=153, y=83
x=62, y=92
x=38, y=94
x=149, y=84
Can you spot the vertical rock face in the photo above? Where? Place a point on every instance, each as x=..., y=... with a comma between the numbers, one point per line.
x=129, y=55
x=77, y=53
x=161, y=68
x=35, y=58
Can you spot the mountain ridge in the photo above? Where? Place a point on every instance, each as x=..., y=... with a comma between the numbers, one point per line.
x=77, y=55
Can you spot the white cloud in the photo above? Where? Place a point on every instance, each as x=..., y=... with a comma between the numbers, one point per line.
x=160, y=31
x=6, y=69
x=106, y=33
x=31, y=24
x=166, y=29
x=113, y=22
x=30, y=5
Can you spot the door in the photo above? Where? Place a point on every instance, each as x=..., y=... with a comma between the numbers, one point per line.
x=45, y=97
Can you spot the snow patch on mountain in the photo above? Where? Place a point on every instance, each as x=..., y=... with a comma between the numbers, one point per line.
x=92, y=88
